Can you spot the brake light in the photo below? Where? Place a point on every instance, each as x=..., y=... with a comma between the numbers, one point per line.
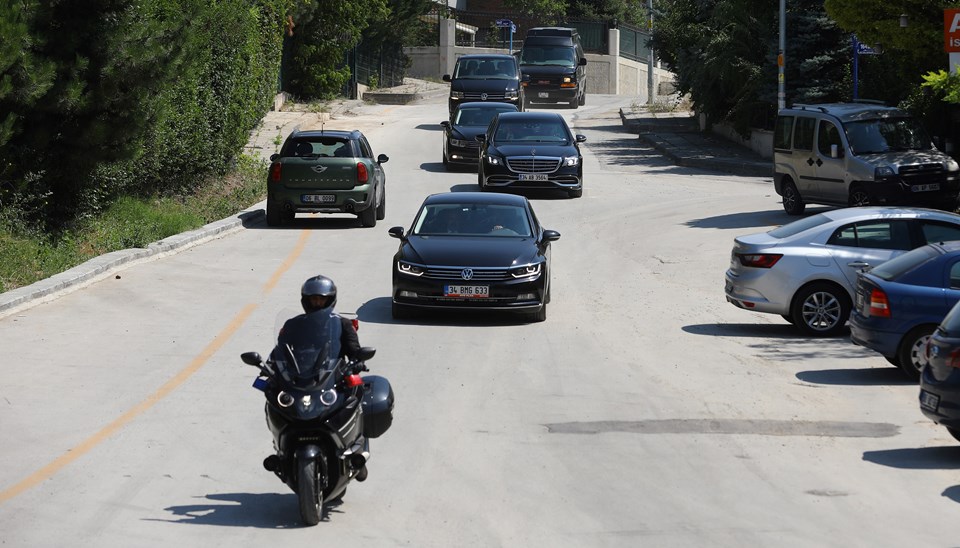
x=275, y=172
x=879, y=305
x=361, y=172
x=759, y=260
x=352, y=381
x=952, y=361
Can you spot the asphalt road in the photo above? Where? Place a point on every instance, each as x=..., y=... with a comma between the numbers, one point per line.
x=644, y=411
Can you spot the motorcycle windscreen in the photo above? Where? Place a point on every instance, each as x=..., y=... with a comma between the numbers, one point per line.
x=307, y=347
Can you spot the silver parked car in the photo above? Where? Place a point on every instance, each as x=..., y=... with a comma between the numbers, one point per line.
x=806, y=271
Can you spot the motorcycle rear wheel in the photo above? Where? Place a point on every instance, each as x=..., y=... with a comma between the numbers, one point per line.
x=308, y=491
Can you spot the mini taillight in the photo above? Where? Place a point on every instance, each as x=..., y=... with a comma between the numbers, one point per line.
x=759, y=260
x=352, y=381
x=275, y=172
x=361, y=172
x=879, y=305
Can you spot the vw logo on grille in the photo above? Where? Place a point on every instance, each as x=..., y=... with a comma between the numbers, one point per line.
x=466, y=273
x=483, y=96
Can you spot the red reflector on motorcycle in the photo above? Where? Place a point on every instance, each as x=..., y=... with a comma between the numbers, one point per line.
x=356, y=324
x=352, y=381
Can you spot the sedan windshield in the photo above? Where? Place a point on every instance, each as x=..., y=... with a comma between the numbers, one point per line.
x=540, y=131
x=886, y=135
x=472, y=220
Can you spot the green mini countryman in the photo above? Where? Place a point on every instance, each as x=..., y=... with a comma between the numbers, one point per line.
x=328, y=171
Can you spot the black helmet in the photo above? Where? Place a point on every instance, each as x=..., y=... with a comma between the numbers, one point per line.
x=317, y=293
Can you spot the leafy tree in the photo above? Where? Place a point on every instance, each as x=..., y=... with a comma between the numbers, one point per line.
x=546, y=10
x=625, y=11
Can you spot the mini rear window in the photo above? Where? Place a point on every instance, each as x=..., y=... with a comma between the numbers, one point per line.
x=319, y=146
x=898, y=266
x=799, y=226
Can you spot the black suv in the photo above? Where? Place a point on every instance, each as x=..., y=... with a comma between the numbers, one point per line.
x=485, y=77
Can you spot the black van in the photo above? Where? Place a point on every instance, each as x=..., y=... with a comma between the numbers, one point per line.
x=485, y=77
x=553, y=67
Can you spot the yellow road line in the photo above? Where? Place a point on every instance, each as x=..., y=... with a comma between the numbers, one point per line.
x=85, y=446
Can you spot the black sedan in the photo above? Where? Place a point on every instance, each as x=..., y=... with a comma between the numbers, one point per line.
x=530, y=150
x=460, y=145
x=473, y=251
x=940, y=379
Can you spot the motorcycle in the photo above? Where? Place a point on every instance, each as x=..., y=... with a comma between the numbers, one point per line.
x=321, y=412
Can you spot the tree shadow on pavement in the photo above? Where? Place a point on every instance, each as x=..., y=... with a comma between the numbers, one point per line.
x=784, y=342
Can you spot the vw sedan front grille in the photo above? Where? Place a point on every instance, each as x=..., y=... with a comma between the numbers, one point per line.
x=533, y=164
x=456, y=273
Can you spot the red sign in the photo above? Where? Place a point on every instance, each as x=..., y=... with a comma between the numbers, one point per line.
x=951, y=30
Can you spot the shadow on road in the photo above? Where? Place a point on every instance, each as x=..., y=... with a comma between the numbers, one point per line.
x=259, y=510
x=430, y=127
x=919, y=458
x=754, y=219
x=880, y=376
x=786, y=343
x=379, y=311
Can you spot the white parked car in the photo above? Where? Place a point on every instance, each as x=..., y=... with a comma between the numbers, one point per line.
x=806, y=271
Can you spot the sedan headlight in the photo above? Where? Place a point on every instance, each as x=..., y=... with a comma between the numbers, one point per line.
x=459, y=143
x=409, y=268
x=571, y=161
x=494, y=161
x=526, y=271
x=456, y=95
x=951, y=165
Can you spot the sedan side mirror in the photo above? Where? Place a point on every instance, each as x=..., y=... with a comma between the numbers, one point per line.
x=382, y=159
x=581, y=138
x=251, y=358
x=481, y=138
x=550, y=235
x=396, y=232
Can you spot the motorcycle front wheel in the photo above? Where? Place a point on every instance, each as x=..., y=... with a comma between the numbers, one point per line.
x=308, y=490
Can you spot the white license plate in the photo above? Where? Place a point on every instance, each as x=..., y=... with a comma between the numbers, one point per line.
x=544, y=95
x=318, y=198
x=929, y=401
x=925, y=188
x=859, y=305
x=471, y=291
x=533, y=177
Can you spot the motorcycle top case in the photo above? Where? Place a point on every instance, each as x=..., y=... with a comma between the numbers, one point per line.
x=377, y=406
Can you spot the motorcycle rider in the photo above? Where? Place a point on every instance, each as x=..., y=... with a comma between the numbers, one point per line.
x=319, y=295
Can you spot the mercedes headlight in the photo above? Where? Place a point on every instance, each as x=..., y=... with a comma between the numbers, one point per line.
x=494, y=161
x=459, y=143
x=571, y=161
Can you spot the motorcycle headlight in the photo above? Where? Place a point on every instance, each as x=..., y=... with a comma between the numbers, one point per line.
x=459, y=143
x=408, y=268
x=571, y=161
x=526, y=271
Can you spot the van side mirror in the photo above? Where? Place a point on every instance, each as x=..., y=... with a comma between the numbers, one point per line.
x=446, y=77
x=836, y=151
x=583, y=61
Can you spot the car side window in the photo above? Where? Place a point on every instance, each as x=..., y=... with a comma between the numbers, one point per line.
x=803, y=133
x=934, y=232
x=873, y=234
x=783, y=132
x=365, y=150
x=827, y=136
x=955, y=275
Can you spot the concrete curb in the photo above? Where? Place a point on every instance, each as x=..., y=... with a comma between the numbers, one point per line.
x=104, y=265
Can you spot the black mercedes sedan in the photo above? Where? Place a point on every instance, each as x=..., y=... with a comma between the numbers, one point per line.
x=473, y=251
x=528, y=151
x=460, y=145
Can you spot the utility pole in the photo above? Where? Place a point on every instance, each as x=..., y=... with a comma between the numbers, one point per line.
x=781, y=58
x=651, y=88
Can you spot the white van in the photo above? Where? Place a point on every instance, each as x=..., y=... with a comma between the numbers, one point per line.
x=854, y=154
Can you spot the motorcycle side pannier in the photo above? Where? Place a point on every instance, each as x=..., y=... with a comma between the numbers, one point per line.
x=377, y=406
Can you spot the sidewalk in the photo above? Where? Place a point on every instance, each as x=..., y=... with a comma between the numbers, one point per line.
x=677, y=136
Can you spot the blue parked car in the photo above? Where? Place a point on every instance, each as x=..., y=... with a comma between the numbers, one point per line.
x=899, y=303
x=940, y=379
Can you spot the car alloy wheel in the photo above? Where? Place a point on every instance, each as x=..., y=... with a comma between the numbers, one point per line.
x=821, y=309
x=792, y=201
x=913, y=350
x=859, y=197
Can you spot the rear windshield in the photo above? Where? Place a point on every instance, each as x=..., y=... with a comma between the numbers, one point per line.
x=799, y=226
x=951, y=323
x=898, y=266
x=318, y=147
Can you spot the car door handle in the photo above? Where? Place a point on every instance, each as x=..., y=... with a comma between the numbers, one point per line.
x=858, y=264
